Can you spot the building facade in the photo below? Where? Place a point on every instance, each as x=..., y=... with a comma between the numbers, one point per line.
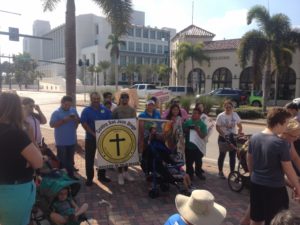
x=224, y=69
x=143, y=45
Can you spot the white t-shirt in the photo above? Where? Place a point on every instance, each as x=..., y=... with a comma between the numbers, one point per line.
x=36, y=128
x=228, y=123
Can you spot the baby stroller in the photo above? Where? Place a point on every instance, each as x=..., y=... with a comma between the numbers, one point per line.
x=48, y=187
x=162, y=167
x=239, y=178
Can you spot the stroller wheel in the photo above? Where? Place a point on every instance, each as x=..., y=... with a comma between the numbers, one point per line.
x=153, y=193
x=235, y=181
x=164, y=187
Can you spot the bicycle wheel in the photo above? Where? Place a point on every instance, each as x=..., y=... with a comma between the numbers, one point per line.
x=235, y=181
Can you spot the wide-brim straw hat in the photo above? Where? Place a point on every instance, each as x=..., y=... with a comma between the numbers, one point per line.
x=200, y=208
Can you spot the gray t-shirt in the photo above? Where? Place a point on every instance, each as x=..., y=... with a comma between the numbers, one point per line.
x=268, y=151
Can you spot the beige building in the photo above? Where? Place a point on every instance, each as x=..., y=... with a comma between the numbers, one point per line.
x=224, y=69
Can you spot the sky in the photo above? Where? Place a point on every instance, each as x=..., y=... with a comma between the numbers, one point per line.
x=225, y=18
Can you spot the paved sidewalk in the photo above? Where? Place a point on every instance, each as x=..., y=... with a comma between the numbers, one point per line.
x=112, y=204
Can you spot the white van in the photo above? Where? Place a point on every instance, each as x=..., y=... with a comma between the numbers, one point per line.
x=180, y=90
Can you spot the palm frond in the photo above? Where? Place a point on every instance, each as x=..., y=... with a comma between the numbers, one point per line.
x=49, y=4
x=261, y=15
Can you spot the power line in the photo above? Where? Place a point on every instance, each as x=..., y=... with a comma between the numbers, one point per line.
x=19, y=14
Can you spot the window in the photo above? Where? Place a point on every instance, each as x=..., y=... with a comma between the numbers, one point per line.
x=123, y=60
x=145, y=33
x=138, y=32
x=96, y=42
x=138, y=47
x=146, y=47
x=221, y=78
x=159, y=49
x=166, y=49
x=130, y=46
x=154, y=60
x=123, y=47
x=139, y=60
x=131, y=60
x=141, y=87
x=152, y=34
x=153, y=48
x=130, y=32
x=159, y=36
x=162, y=61
x=147, y=60
x=96, y=29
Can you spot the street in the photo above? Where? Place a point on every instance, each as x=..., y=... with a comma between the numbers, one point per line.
x=51, y=101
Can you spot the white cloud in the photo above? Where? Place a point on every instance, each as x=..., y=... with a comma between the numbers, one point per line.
x=232, y=25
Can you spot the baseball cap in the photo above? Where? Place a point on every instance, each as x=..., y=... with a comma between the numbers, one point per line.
x=150, y=102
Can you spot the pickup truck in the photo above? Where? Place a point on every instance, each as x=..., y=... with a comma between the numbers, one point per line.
x=144, y=90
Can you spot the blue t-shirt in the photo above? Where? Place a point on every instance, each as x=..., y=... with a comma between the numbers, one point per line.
x=175, y=220
x=268, y=151
x=66, y=133
x=145, y=114
x=89, y=115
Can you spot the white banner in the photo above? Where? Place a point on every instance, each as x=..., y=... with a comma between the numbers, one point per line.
x=116, y=143
x=199, y=142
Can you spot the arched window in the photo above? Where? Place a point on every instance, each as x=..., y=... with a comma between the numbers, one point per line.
x=196, y=80
x=286, y=84
x=246, y=80
x=221, y=78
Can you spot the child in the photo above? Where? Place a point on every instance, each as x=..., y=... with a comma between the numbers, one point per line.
x=65, y=209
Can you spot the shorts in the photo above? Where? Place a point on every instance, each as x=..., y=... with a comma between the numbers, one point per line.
x=16, y=202
x=266, y=202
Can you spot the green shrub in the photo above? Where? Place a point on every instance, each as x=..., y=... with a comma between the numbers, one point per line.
x=209, y=102
x=186, y=102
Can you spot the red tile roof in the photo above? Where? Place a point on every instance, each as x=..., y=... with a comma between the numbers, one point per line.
x=222, y=45
x=193, y=30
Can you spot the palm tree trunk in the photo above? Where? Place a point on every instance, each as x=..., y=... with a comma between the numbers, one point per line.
x=70, y=50
x=275, y=87
x=116, y=72
x=265, y=78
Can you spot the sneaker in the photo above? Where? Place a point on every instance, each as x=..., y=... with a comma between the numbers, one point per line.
x=221, y=175
x=120, y=179
x=104, y=179
x=127, y=176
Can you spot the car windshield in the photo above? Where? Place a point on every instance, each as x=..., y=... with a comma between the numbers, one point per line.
x=151, y=87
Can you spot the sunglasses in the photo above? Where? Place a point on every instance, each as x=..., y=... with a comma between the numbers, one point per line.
x=124, y=97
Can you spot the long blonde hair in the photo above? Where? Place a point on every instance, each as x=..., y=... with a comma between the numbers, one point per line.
x=11, y=110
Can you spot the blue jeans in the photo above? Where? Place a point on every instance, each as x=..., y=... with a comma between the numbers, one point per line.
x=65, y=154
x=16, y=202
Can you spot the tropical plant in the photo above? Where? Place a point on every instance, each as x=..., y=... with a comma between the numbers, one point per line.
x=104, y=65
x=24, y=68
x=118, y=12
x=129, y=70
x=194, y=52
x=270, y=45
x=164, y=73
x=113, y=44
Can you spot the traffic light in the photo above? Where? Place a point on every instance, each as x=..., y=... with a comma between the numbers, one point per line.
x=13, y=34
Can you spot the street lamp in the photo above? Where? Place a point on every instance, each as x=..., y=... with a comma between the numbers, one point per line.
x=84, y=63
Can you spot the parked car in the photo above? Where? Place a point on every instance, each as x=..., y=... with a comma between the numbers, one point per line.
x=180, y=90
x=256, y=98
x=144, y=90
x=238, y=97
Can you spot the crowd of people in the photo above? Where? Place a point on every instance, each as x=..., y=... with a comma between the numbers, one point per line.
x=273, y=153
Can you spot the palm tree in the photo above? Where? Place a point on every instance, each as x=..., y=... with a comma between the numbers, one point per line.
x=164, y=73
x=118, y=12
x=113, y=44
x=130, y=69
x=104, y=66
x=270, y=45
x=194, y=52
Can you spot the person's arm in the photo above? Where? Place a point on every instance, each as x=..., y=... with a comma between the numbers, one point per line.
x=292, y=176
x=61, y=122
x=43, y=119
x=218, y=128
x=240, y=128
x=33, y=156
x=294, y=156
x=88, y=129
x=202, y=132
x=250, y=162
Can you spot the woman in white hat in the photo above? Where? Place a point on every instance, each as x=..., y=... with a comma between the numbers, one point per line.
x=198, y=209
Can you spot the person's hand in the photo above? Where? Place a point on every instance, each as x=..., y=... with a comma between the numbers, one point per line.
x=296, y=194
x=37, y=108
